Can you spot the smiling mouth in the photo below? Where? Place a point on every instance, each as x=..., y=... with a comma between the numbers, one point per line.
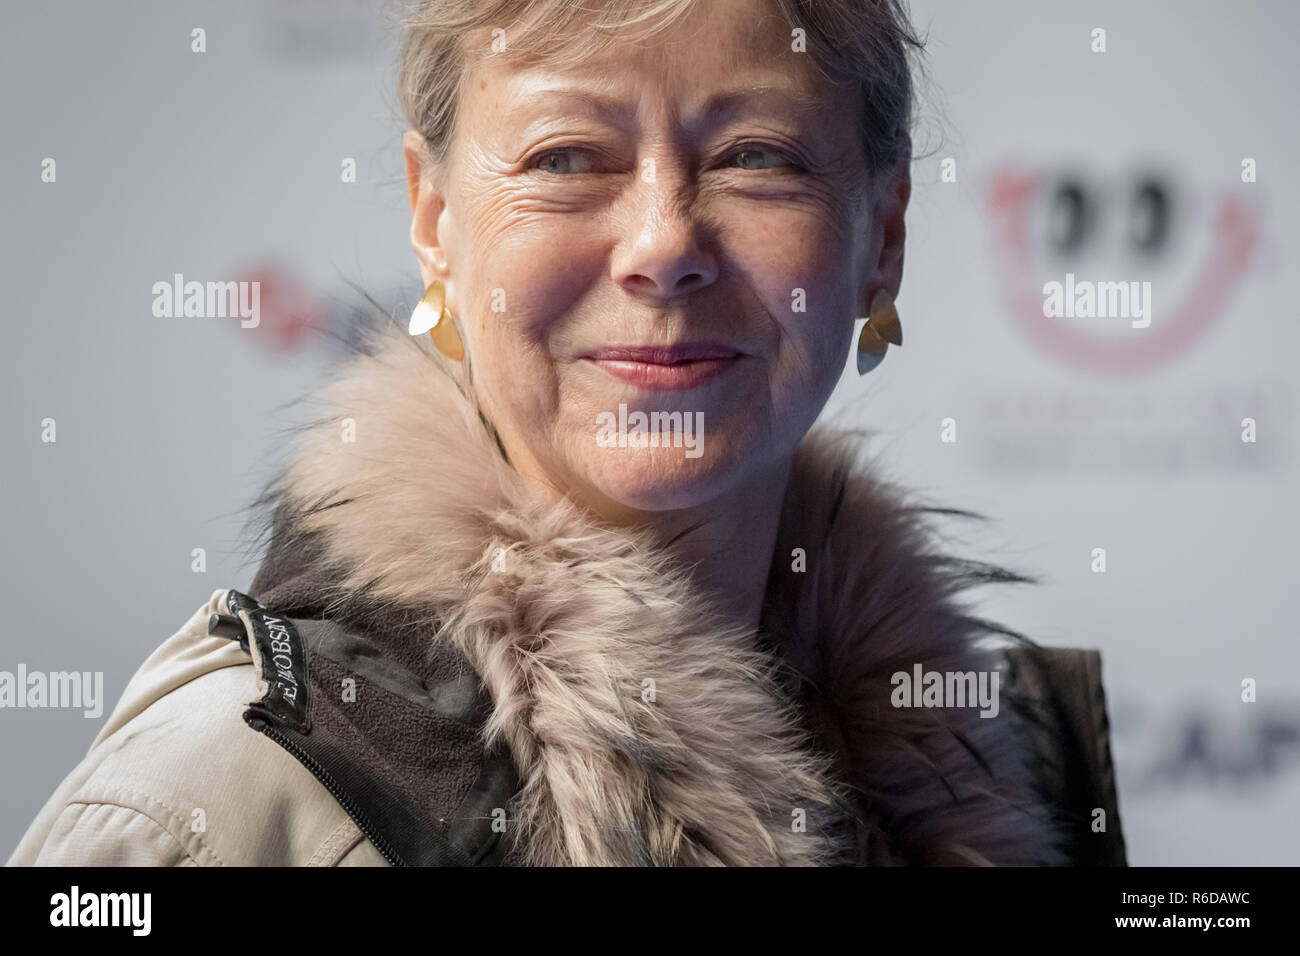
x=688, y=365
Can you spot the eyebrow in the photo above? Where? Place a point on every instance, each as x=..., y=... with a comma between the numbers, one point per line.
x=717, y=106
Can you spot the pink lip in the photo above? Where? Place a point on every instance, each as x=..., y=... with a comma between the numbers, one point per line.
x=686, y=365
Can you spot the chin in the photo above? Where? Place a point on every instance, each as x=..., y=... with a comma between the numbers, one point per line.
x=662, y=479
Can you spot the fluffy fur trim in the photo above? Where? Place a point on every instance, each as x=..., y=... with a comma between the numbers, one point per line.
x=739, y=739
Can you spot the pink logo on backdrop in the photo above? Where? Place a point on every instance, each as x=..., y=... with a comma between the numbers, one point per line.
x=1182, y=320
x=290, y=309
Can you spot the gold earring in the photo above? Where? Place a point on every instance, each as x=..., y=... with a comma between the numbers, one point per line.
x=881, y=329
x=432, y=315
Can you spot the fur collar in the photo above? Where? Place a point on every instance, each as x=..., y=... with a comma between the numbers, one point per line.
x=644, y=731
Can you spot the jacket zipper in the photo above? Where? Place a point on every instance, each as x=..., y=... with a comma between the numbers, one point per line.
x=360, y=819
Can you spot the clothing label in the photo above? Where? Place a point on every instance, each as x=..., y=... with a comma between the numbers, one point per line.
x=282, y=656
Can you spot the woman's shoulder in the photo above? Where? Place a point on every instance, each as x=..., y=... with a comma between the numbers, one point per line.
x=1060, y=691
x=176, y=776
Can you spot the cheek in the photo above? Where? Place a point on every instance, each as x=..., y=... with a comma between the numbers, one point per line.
x=521, y=277
x=513, y=372
x=521, y=293
x=800, y=263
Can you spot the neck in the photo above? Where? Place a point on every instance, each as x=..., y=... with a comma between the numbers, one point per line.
x=732, y=546
x=725, y=543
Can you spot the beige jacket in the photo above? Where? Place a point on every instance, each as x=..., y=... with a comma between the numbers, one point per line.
x=176, y=778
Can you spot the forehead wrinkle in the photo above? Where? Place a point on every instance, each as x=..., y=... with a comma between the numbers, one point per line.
x=717, y=107
x=583, y=99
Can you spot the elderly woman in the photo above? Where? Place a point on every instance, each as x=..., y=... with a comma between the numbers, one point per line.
x=560, y=575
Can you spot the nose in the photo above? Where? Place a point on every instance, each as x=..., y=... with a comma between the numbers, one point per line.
x=664, y=257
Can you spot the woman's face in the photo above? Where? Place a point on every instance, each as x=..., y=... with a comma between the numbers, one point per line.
x=649, y=232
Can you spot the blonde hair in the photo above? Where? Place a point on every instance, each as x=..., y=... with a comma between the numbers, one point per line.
x=867, y=43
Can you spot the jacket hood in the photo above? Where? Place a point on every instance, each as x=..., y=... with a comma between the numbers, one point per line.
x=643, y=729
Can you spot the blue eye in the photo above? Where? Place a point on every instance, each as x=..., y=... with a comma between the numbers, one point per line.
x=756, y=150
x=542, y=161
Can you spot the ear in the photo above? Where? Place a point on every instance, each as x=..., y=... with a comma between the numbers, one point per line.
x=427, y=204
x=888, y=232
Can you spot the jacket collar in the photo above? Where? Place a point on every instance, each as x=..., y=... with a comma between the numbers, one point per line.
x=642, y=729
